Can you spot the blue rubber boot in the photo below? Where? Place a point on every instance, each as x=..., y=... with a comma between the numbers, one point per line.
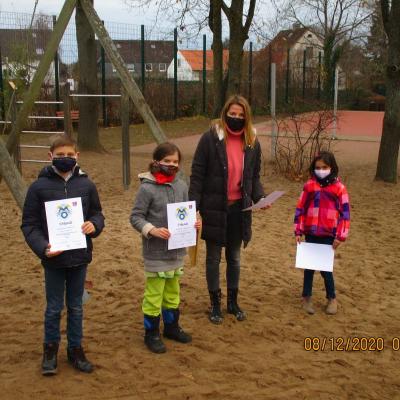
x=172, y=330
x=152, y=337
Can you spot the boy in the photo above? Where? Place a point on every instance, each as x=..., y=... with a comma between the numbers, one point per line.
x=63, y=270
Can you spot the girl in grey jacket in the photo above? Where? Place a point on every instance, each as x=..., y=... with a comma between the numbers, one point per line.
x=159, y=187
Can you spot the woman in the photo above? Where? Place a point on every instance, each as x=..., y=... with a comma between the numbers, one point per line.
x=226, y=179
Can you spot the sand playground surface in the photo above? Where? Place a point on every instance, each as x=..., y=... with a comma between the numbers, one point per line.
x=266, y=357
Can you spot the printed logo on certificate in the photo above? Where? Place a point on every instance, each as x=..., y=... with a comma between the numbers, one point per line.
x=181, y=220
x=64, y=223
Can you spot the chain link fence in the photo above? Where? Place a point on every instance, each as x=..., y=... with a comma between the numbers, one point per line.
x=150, y=54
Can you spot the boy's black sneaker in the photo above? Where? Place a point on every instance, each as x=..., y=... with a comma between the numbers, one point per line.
x=49, y=363
x=77, y=358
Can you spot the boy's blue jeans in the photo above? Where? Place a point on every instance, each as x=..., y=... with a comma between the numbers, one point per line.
x=309, y=273
x=71, y=282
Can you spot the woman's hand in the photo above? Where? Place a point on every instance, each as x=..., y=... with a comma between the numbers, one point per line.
x=88, y=228
x=336, y=244
x=162, y=233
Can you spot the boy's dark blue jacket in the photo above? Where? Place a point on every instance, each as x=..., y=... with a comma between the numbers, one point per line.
x=48, y=187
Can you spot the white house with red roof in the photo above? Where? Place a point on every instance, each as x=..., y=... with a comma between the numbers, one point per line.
x=190, y=64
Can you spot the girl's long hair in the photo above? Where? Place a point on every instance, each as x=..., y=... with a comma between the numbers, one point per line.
x=249, y=131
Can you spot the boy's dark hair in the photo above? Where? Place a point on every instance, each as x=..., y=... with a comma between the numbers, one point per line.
x=329, y=159
x=163, y=150
x=60, y=140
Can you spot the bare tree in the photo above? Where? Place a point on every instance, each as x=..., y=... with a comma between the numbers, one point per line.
x=389, y=147
x=88, y=134
x=215, y=24
x=299, y=138
x=238, y=34
x=192, y=16
x=336, y=22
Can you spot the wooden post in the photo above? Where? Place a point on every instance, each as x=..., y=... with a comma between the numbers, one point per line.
x=13, y=118
x=204, y=108
x=142, y=59
x=175, y=73
x=103, y=86
x=68, y=129
x=2, y=102
x=46, y=60
x=273, y=111
x=126, y=155
x=126, y=78
x=12, y=176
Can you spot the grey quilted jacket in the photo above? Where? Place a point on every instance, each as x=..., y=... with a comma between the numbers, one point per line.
x=149, y=211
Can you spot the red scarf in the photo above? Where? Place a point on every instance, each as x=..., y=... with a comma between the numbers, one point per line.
x=161, y=178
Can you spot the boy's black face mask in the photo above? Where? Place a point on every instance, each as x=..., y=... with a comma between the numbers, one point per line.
x=64, y=164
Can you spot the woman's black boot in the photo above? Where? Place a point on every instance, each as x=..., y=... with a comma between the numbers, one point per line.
x=233, y=306
x=215, y=314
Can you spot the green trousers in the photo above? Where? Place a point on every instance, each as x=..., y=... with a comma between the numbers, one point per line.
x=160, y=293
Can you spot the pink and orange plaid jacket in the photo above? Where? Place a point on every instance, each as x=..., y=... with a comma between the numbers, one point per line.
x=323, y=211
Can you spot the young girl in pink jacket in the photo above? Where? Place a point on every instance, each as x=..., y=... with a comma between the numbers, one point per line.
x=323, y=216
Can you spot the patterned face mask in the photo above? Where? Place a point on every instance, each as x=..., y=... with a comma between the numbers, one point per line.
x=168, y=170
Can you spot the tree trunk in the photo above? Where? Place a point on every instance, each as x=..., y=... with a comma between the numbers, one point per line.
x=389, y=148
x=235, y=65
x=88, y=134
x=237, y=38
x=217, y=47
x=386, y=169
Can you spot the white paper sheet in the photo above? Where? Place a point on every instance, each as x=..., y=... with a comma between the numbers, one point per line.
x=271, y=198
x=181, y=220
x=315, y=256
x=64, y=224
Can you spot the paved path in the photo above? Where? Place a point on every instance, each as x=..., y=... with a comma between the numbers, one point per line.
x=352, y=125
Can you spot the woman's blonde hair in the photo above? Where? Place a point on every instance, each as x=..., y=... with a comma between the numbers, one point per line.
x=249, y=131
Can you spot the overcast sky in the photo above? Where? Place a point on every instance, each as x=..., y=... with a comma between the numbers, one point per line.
x=108, y=10
x=118, y=11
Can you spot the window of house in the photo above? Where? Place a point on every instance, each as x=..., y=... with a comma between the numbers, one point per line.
x=309, y=52
x=153, y=46
x=179, y=62
x=162, y=67
x=39, y=51
x=148, y=67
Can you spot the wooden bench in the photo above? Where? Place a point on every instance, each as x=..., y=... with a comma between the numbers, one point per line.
x=74, y=115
